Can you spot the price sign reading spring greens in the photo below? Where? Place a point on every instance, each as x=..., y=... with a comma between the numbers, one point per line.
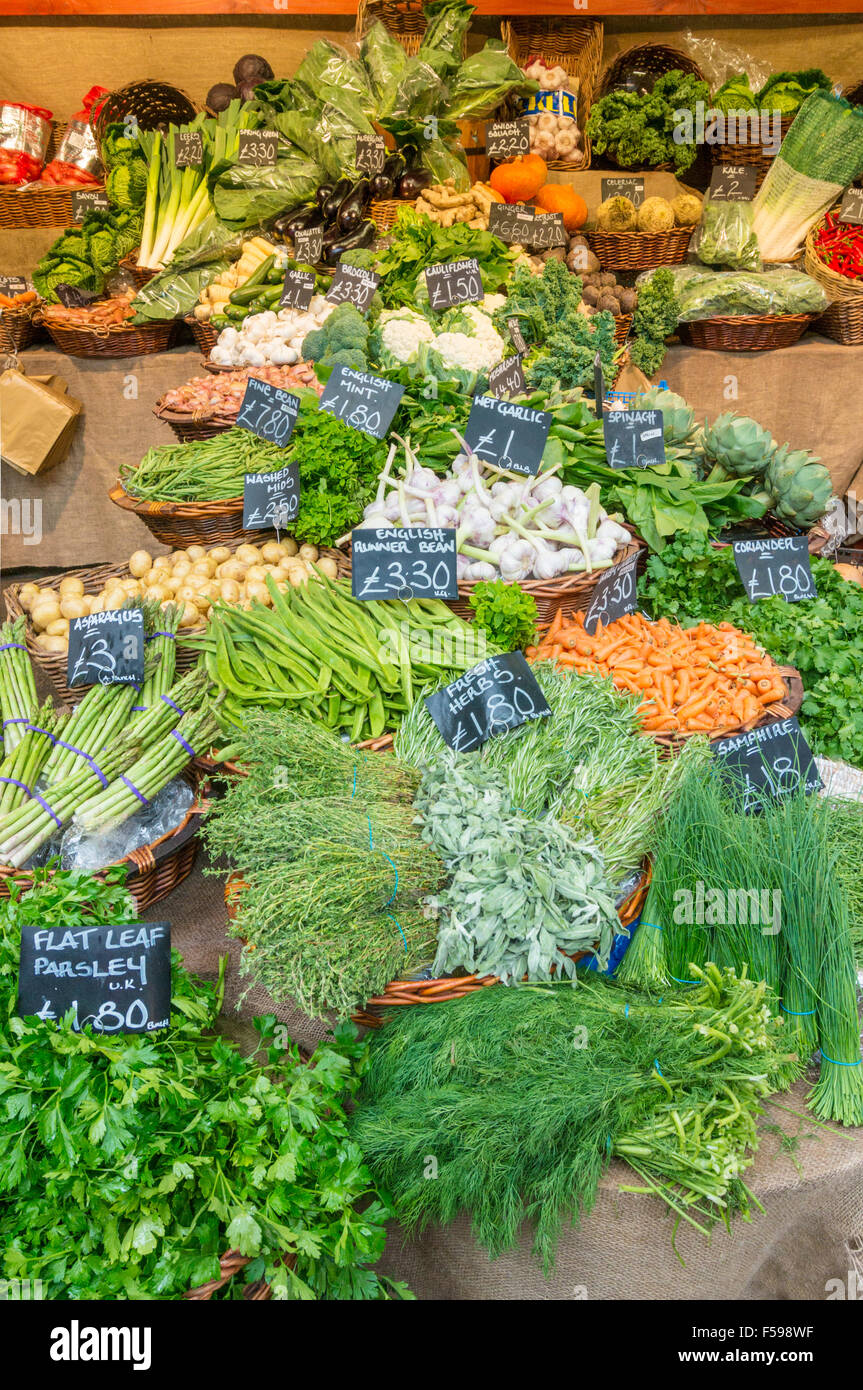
x=775, y=566
x=404, y=562
x=361, y=400
x=457, y=282
x=106, y=648
x=258, y=147
x=490, y=699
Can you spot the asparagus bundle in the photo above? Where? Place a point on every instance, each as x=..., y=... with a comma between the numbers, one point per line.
x=161, y=628
x=20, y=769
x=102, y=714
x=26, y=829
x=17, y=686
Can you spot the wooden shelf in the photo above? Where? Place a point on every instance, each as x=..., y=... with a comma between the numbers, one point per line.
x=304, y=9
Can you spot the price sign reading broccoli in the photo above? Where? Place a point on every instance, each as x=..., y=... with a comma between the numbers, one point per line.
x=491, y=698
x=509, y=436
x=258, y=147
x=298, y=290
x=107, y=648
x=363, y=401
x=506, y=139
x=268, y=411
x=614, y=595
x=353, y=284
x=733, y=183
x=116, y=979
x=623, y=186
x=457, y=282
x=86, y=200
x=520, y=225
x=371, y=154
x=775, y=566
x=633, y=438
x=188, y=148
x=767, y=763
x=271, y=500
x=404, y=562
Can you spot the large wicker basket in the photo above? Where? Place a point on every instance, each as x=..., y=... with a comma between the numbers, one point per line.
x=187, y=425
x=384, y=211
x=39, y=205
x=17, y=328
x=745, y=333
x=749, y=152
x=650, y=59
x=140, y=274
x=843, y=320
x=571, y=43
x=783, y=709
x=121, y=340
x=151, y=103
x=179, y=524
x=635, y=251
x=203, y=333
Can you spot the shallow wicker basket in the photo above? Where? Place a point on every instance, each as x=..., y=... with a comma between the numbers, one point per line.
x=205, y=336
x=121, y=340
x=571, y=43
x=384, y=211
x=781, y=710
x=139, y=273
x=650, y=59
x=179, y=524
x=745, y=333
x=151, y=103
x=634, y=251
x=186, y=425
x=17, y=327
x=843, y=320
x=230, y=1264
x=750, y=152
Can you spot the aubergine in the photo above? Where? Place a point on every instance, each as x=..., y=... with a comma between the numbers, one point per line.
x=363, y=236
x=382, y=186
x=291, y=222
x=332, y=204
x=412, y=183
x=324, y=192
x=394, y=166
x=352, y=208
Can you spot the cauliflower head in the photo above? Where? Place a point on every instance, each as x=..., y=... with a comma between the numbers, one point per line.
x=398, y=337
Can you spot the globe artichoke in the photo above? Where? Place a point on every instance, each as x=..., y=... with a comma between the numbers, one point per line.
x=738, y=445
x=800, y=486
x=678, y=418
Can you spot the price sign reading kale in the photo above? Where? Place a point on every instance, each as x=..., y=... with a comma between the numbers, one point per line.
x=114, y=979
x=775, y=565
x=506, y=139
x=12, y=284
x=623, y=186
x=188, y=149
x=404, y=562
x=507, y=378
x=733, y=183
x=491, y=698
x=516, y=336
x=271, y=500
x=457, y=282
x=309, y=244
x=767, y=763
x=633, y=438
x=371, y=154
x=258, y=147
x=851, y=209
x=86, y=200
x=298, y=289
x=353, y=284
x=614, y=595
x=519, y=224
x=509, y=436
x=268, y=411
x=363, y=401
x=106, y=648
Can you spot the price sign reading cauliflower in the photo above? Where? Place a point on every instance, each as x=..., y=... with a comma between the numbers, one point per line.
x=457, y=282
x=363, y=401
x=491, y=698
x=508, y=435
x=775, y=566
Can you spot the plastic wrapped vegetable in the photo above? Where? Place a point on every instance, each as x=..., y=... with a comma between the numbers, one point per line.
x=706, y=294
x=727, y=236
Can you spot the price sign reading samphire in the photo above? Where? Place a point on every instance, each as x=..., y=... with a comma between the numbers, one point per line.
x=508, y=435
x=775, y=565
x=404, y=562
x=505, y=139
x=623, y=186
x=457, y=282
x=258, y=147
x=188, y=149
x=107, y=648
x=271, y=500
x=633, y=438
x=298, y=289
x=86, y=200
x=353, y=284
x=507, y=378
x=767, y=763
x=518, y=224
x=268, y=411
x=116, y=979
x=491, y=698
x=363, y=401
x=614, y=595
x=733, y=183
x=308, y=244
x=371, y=154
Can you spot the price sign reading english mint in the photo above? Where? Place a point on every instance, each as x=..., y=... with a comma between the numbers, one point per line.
x=371, y=154
x=457, y=282
x=188, y=149
x=614, y=595
x=309, y=244
x=506, y=139
x=271, y=500
x=634, y=438
x=767, y=764
x=623, y=186
x=520, y=225
x=404, y=562
x=86, y=200
x=733, y=183
x=775, y=566
x=258, y=147
x=106, y=648
x=115, y=979
x=510, y=436
x=298, y=290
x=268, y=411
x=507, y=378
x=352, y=284
x=490, y=699
x=363, y=401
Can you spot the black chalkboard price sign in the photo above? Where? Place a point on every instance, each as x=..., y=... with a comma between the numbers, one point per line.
x=107, y=648
x=299, y=287
x=851, y=208
x=363, y=401
x=86, y=200
x=775, y=566
x=12, y=285
x=506, y=139
x=520, y=225
x=188, y=149
x=507, y=378
x=634, y=438
x=624, y=186
x=767, y=764
x=733, y=183
x=457, y=282
x=353, y=284
x=115, y=979
x=268, y=411
x=404, y=562
x=508, y=435
x=371, y=154
x=271, y=500
x=258, y=147
x=309, y=244
x=614, y=595
x=516, y=336
x=499, y=694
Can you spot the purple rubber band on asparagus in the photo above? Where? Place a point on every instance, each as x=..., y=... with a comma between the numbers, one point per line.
x=46, y=807
x=13, y=646
x=13, y=782
x=20, y=719
x=145, y=800
x=188, y=747
x=169, y=701
x=172, y=635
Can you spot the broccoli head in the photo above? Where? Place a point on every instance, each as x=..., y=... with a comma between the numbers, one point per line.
x=345, y=357
x=314, y=345
x=346, y=328
x=362, y=258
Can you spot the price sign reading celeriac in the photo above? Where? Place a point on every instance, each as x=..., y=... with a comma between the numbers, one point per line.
x=298, y=289
x=509, y=436
x=309, y=244
x=352, y=284
x=115, y=979
x=457, y=282
x=404, y=562
x=371, y=154
x=614, y=595
x=258, y=147
x=507, y=378
x=633, y=438
x=271, y=500
x=623, y=186
x=268, y=411
x=491, y=698
x=188, y=148
x=775, y=566
x=506, y=139
x=851, y=209
x=86, y=200
x=363, y=401
x=733, y=183
x=106, y=648
x=521, y=225
x=767, y=764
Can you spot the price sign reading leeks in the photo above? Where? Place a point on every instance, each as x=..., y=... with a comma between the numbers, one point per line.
x=188, y=149
x=491, y=698
x=404, y=562
x=268, y=411
x=363, y=401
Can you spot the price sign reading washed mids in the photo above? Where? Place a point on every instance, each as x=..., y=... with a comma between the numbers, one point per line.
x=404, y=562
x=510, y=436
x=633, y=438
x=614, y=595
x=271, y=499
x=775, y=565
x=767, y=763
x=491, y=698
x=107, y=648
x=457, y=282
x=363, y=401
x=115, y=979
x=268, y=411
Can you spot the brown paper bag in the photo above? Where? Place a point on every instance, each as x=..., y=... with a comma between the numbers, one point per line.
x=38, y=420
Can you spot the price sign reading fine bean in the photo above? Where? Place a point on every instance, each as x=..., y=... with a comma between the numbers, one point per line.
x=258, y=147
x=371, y=154
x=404, y=562
x=457, y=282
x=363, y=401
x=353, y=284
x=106, y=648
x=491, y=698
x=633, y=438
x=775, y=566
x=624, y=186
x=115, y=979
x=506, y=139
x=268, y=411
x=188, y=148
x=767, y=764
x=271, y=500
x=86, y=200
x=509, y=436
x=614, y=595
x=298, y=289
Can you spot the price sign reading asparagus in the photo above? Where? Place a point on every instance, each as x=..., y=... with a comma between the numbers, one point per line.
x=86, y=200
x=775, y=565
x=491, y=698
x=353, y=284
x=506, y=139
x=518, y=224
x=633, y=438
x=614, y=595
x=767, y=763
x=624, y=186
x=258, y=147
x=107, y=648
x=371, y=154
x=114, y=979
x=298, y=289
x=271, y=500
x=404, y=562
x=309, y=244
x=188, y=149
x=363, y=401
x=733, y=183
x=268, y=411
x=507, y=378
x=509, y=436
x=457, y=282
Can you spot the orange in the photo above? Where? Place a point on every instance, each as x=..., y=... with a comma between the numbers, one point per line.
x=560, y=197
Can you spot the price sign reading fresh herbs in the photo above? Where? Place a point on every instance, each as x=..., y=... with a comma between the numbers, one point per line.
x=516, y=336
x=851, y=209
x=188, y=149
x=86, y=200
x=298, y=289
x=371, y=154
x=12, y=284
x=353, y=284
x=404, y=562
x=614, y=595
x=623, y=186
x=519, y=224
x=733, y=183
x=271, y=500
x=506, y=139
x=510, y=436
x=633, y=438
x=309, y=244
x=457, y=282
x=507, y=378
x=114, y=979
x=775, y=566
x=491, y=698
x=363, y=401
x=767, y=763
x=258, y=147
x=268, y=411
x=107, y=648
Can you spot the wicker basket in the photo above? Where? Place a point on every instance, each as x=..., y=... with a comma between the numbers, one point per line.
x=39, y=205
x=17, y=327
x=653, y=59
x=843, y=320
x=745, y=333
x=151, y=103
x=572, y=44
x=204, y=335
x=384, y=211
x=750, y=152
x=634, y=251
x=139, y=273
x=216, y=367
x=231, y=1263
x=121, y=340
x=781, y=710
x=622, y=327
x=179, y=524
x=187, y=425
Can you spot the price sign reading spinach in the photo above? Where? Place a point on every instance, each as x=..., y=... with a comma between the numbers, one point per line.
x=491, y=698
x=507, y=378
x=633, y=438
x=851, y=209
x=775, y=565
x=518, y=224
x=86, y=200
x=271, y=500
x=298, y=290
x=188, y=149
x=510, y=436
x=258, y=147
x=614, y=595
x=363, y=401
x=106, y=648
x=352, y=284
x=457, y=282
x=404, y=562
x=115, y=979
x=733, y=183
x=623, y=186
x=506, y=139
x=371, y=154
x=309, y=244
x=767, y=763
x=268, y=411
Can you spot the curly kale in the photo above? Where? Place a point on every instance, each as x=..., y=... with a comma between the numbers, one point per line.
x=567, y=356
x=654, y=320
x=539, y=302
x=642, y=130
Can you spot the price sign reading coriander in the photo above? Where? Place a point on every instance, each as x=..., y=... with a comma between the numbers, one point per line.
x=188, y=149
x=733, y=183
x=12, y=284
x=271, y=500
x=298, y=289
x=775, y=565
x=363, y=401
x=457, y=282
x=86, y=200
x=507, y=378
x=614, y=595
x=106, y=648
x=633, y=438
x=268, y=411
x=623, y=186
x=509, y=436
x=371, y=154
x=404, y=562
x=309, y=244
x=258, y=147
x=491, y=698
x=505, y=139
x=115, y=979
x=353, y=284
x=766, y=764
x=851, y=209
x=518, y=224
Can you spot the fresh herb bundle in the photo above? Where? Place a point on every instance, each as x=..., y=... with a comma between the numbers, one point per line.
x=505, y=612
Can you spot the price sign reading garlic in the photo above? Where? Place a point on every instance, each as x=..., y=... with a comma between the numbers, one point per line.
x=404, y=562
x=490, y=699
x=509, y=436
x=775, y=566
x=457, y=282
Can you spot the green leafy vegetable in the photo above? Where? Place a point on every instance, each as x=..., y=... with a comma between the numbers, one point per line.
x=505, y=612
x=655, y=319
x=417, y=242
x=641, y=130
